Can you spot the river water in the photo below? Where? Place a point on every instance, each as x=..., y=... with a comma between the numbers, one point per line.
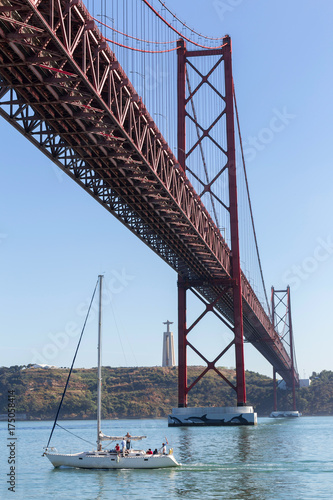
x=278, y=459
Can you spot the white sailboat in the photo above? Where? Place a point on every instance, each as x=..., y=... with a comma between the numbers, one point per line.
x=110, y=458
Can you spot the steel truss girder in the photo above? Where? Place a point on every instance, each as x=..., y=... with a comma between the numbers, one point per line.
x=139, y=140
x=64, y=90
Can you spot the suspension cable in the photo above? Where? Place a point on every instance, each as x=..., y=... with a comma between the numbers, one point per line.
x=141, y=50
x=185, y=25
x=176, y=31
x=133, y=37
x=249, y=199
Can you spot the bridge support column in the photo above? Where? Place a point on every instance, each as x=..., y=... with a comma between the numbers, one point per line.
x=291, y=343
x=182, y=344
x=233, y=209
x=234, y=285
x=184, y=415
x=274, y=390
x=181, y=110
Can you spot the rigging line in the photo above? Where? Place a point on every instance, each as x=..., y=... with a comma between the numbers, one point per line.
x=130, y=36
x=141, y=50
x=176, y=31
x=79, y=437
x=201, y=147
x=185, y=25
x=71, y=369
x=115, y=320
x=119, y=336
x=249, y=199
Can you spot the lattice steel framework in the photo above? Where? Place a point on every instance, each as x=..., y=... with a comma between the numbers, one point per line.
x=62, y=87
x=281, y=319
x=231, y=286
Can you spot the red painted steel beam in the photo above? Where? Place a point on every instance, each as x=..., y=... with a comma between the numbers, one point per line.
x=291, y=343
x=182, y=344
x=206, y=52
x=274, y=391
x=236, y=269
x=181, y=99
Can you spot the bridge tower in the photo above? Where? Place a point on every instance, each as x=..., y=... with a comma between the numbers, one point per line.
x=231, y=284
x=281, y=319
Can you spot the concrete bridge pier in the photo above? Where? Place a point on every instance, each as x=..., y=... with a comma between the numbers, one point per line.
x=212, y=416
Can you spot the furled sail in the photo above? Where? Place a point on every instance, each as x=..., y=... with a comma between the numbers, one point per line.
x=104, y=437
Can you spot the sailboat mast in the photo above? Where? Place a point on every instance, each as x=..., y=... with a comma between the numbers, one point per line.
x=99, y=375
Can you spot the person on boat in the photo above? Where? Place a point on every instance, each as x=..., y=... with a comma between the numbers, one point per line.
x=149, y=452
x=155, y=452
x=117, y=448
x=164, y=451
x=128, y=441
x=123, y=446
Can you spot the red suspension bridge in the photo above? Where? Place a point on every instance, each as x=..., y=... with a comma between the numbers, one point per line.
x=65, y=84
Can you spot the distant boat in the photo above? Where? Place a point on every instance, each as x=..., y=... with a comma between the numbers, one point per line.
x=110, y=458
x=285, y=414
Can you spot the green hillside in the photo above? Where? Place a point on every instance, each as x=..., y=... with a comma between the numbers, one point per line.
x=147, y=392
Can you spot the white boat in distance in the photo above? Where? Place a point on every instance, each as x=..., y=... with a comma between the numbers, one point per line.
x=103, y=458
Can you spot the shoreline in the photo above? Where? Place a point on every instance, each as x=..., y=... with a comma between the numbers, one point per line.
x=92, y=419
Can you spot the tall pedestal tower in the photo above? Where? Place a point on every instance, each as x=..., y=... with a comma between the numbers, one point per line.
x=168, y=358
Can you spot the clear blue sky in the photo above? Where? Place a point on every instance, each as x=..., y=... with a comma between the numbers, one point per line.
x=55, y=239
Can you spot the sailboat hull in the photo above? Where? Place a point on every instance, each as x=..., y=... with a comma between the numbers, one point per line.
x=105, y=460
